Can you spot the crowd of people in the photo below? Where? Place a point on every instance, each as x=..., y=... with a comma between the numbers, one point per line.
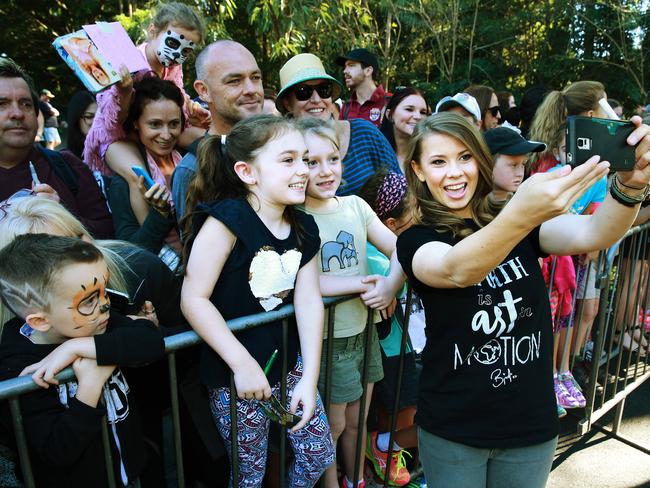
x=166, y=213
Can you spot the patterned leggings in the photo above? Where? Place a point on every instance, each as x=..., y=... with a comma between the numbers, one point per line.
x=312, y=445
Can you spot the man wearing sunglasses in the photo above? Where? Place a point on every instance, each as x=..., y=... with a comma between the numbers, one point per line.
x=48, y=174
x=230, y=82
x=367, y=100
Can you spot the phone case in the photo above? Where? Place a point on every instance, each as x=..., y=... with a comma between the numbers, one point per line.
x=148, y=182
x=588, y=136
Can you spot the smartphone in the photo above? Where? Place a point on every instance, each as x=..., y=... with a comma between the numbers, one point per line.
x=148, y=182
x=588, y=136
x=124, y=303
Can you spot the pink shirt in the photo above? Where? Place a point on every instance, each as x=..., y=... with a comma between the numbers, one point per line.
x=107, y=129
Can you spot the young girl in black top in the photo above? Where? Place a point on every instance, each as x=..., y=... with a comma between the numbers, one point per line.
x=252, y=252
x=486, y=407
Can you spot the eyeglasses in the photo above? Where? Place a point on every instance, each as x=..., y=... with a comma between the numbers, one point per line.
x=5, y=204
x=304, y=92
x=494, y=110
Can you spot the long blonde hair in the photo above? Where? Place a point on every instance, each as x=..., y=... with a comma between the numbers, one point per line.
x=575, y=99
x=32, y=215
x=426, y=210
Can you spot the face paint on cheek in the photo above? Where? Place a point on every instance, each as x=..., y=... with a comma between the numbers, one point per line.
x=87, y=304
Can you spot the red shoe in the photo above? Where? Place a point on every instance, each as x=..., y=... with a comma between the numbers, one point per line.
x=399, y=475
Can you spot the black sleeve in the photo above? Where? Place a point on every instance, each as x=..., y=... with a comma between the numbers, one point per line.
x=310, y=240
x=533, y=238
x=129, y=343
x=59, y=435
x=411, y=240
x=161, y=287
x=91, y=205
x=154, y=229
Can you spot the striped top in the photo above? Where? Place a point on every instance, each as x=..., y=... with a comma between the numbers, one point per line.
x=368, y=151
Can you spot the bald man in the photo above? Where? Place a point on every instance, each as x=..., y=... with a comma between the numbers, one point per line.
x=230, y=82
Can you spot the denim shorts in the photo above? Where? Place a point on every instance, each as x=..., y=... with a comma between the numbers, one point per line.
x=347, y=366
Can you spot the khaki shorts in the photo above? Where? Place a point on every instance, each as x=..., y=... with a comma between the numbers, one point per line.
x=347, y=367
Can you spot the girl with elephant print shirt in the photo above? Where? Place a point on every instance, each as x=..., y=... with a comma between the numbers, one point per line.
x=345, y=224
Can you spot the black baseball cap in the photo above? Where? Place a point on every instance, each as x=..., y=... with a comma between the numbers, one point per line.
x=362, y=56
x=503, y=140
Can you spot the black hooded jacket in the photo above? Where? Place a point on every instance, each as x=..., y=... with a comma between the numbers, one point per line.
x=63, y=433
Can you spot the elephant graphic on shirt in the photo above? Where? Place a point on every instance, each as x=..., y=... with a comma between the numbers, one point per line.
x=342, y=249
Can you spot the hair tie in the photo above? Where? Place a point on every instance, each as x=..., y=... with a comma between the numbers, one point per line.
x=390, y=194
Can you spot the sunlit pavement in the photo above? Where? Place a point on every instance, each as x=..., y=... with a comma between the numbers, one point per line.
x=595, y=461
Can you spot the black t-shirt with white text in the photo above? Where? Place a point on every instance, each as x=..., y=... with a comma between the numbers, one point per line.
x=487, y=378
x=259, y=275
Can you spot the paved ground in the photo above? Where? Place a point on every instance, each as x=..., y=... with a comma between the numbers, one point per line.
x=595, y=461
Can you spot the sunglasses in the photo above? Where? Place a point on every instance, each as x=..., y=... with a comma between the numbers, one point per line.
x=304, y=92
x=494, y=110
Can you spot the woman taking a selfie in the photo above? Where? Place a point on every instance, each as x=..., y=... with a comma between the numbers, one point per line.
x=486, y=410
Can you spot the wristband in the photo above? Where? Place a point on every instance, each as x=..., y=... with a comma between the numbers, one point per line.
x=625, y=199
x=618, y=180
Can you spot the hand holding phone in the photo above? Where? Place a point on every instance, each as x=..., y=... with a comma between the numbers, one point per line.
x=588, y=136
x=148, y=182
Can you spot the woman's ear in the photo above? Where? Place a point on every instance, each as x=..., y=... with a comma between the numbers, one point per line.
x=387, y=115
x=286, y=104
x=38, y=321
x=246, y=172
x=590, y=113
x=416, y=169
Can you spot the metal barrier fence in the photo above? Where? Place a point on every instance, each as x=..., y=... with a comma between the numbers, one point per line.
x=622, y=278
x=11, y=390
x=624, y=281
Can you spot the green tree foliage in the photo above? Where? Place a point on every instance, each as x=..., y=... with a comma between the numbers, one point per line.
x=440, y=46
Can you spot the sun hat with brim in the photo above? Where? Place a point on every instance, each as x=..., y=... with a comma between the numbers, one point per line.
x=509, y=142
x=301, y=68
x=47, y=93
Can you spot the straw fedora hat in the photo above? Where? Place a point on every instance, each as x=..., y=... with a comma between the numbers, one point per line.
x=301, y=68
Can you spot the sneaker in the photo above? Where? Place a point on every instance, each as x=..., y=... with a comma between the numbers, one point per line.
x=561, y=411
x=573, y=388
x=399, y=474
x=564, y=398
x=345, y=483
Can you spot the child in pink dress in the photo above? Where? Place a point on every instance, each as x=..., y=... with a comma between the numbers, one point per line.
x=175, y=32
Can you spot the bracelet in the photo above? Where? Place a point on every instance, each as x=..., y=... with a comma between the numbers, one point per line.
x=625, y=199
x=619, y=182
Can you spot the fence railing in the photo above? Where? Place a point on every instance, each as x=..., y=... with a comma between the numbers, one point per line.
x=11, y=390
x=622, y=278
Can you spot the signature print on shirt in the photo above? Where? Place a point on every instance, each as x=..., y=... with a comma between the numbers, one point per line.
x=272, y=276
x=497, y=318
x=342, y=249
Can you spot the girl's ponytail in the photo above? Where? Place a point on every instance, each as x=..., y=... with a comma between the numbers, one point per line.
x=578, y=98
x=550, y=115
x=215, y=178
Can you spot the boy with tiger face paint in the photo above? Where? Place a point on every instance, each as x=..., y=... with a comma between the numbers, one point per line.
x=56, y=286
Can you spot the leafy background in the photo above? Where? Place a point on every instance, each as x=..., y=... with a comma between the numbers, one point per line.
x=438, y=45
